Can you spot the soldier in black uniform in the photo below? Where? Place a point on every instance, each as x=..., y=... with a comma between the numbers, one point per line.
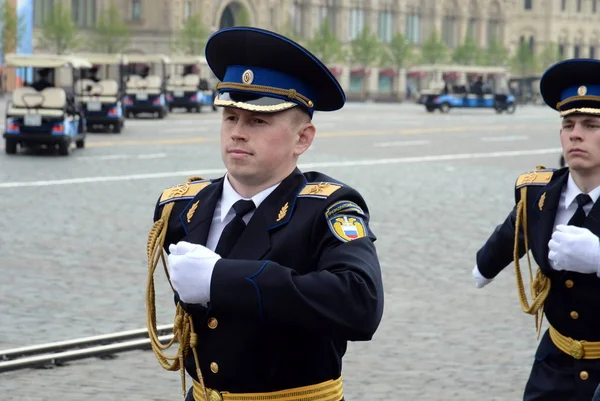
x=557, y=217
x=276, y=267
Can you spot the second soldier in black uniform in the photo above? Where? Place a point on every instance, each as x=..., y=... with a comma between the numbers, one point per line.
x=557, y=217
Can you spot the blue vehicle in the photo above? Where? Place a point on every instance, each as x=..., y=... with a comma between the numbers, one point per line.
x=145, y=88
x=188, y=87
x=459, y=97
x=100, y=91
x=43, y=113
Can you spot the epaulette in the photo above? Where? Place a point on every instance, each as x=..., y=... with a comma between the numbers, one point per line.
x=320, y=190
x=540, y=176
x=186, y=191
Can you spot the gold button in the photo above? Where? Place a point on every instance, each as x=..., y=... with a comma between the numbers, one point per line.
x=569, y=283
x=214, y=367
x=583, y=375
x=213, y=323
x=574, y=315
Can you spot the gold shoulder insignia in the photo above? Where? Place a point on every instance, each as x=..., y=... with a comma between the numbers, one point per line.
x=343, y=206
x=537, y=177
x=183, y=191
x=319, y=190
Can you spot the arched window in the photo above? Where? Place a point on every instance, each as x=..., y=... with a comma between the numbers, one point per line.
x=450, y=24
x=474, y=19
x=494, y=23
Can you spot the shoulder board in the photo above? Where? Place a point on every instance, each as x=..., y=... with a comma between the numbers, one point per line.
x=185, y=191
x=537, y=177
x=319, y=190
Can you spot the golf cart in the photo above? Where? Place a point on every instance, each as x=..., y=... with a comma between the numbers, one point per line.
x=145, y=92
x=100, y=91
x=44, y=112
x=187, y=87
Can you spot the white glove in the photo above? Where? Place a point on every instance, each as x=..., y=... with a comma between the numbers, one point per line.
x=575, y=249
x=480, y=281
x=190, y=269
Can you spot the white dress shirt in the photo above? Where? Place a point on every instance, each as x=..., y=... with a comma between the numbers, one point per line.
x=567, y=205
x=224, y=212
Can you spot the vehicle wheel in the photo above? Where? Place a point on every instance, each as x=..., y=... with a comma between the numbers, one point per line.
x=80, y=144
x=198, y=109
x=510, y=109
x=11, y=146
x=430, y=109
x=444, y=107
x=161, y=114
x=64, y=148
x=116, y=128
x=498, y=110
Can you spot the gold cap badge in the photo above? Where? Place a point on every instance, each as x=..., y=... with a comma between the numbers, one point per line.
x=582, y=90
x=248, y=77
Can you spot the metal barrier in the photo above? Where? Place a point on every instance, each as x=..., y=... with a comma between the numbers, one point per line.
x=63, y=351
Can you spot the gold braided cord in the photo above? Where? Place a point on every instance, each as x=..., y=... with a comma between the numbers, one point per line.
x=540, y=285
x=290, y=93
x=183, y=327
x=577, y=98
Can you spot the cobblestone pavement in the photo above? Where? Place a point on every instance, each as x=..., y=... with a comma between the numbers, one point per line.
x=73, y=238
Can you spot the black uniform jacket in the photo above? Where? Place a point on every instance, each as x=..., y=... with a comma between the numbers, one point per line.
x=569, y=291
x=294, y=289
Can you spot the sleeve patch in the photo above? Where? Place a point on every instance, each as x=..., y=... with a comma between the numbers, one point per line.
x=346, y=227
x=343, y=207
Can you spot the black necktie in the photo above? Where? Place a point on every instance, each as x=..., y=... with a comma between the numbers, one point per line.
x=234, y=229
x=579, y=216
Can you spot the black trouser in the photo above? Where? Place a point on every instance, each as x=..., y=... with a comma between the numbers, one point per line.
x=556, y=376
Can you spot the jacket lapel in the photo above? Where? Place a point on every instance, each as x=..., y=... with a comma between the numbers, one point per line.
x=546, y=216
x=273, y=212
x=197, y=216
x=592, y=222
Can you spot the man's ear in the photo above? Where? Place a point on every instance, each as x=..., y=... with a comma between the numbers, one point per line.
x=306, y=135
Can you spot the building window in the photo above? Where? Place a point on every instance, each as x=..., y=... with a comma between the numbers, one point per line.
x=273, y=17
x=187, y=10
x=84, y=12
x=297, y=17
x=413, y=27
x=472, y=27
x=449, y=34
x=386, y=28
x=528, y=4
x=357, y=22
x=41, y=11
x=494, y=24
x=563, y=5
x=532, y=45
x=136, y=10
